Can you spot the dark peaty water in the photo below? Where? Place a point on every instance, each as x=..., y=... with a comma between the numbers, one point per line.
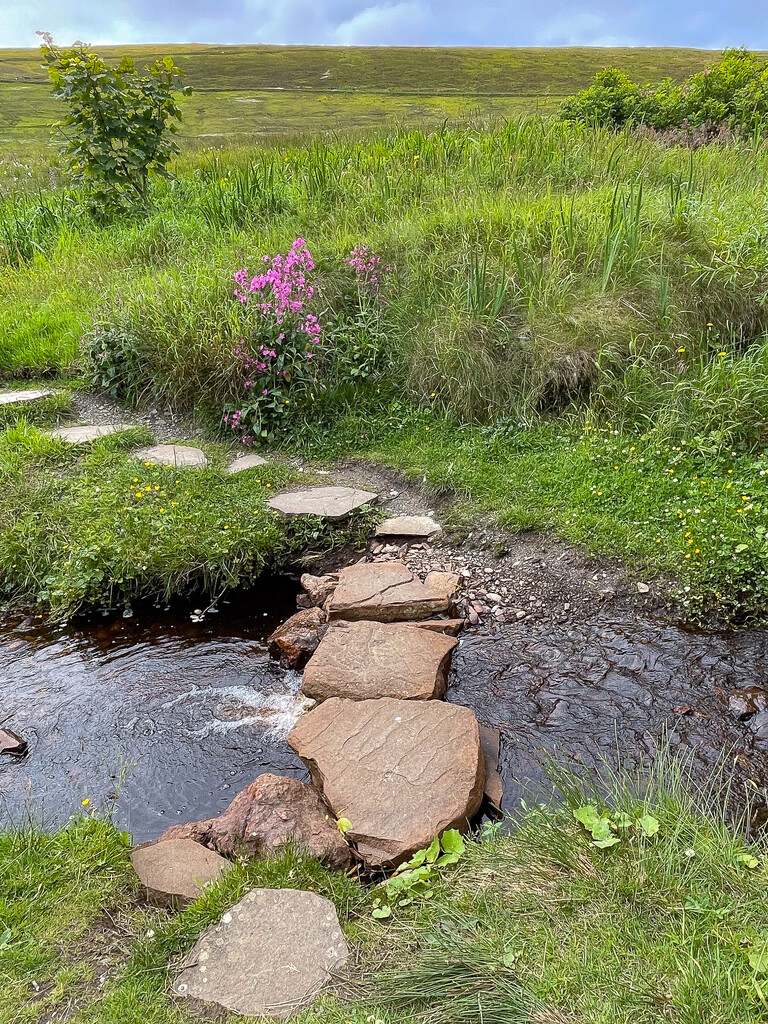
x=166, y=717
x=612, y=689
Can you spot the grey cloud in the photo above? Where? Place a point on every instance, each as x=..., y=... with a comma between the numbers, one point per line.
x=389, y=22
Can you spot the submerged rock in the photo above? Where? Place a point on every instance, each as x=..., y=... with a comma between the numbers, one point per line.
x=490, y=741
x=294, y=641
x=270, y=955
x=401, y=771
x=385, y=592
x=11, y=742
x=746, y=702
x=174, y=873
x=366, y=659
x=265, y=816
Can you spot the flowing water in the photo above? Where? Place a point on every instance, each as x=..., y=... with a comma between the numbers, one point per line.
x=613, y=689
x=163, y=718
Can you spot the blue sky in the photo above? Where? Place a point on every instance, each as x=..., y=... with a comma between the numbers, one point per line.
x=401, y=22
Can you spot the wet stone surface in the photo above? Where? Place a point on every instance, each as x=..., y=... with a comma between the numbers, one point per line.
x=587, y=690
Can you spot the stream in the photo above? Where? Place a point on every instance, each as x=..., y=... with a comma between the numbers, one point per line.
x=162, y=718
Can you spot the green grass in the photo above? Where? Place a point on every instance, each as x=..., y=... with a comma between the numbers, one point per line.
x=323, y=89
x=533, y=926
x=84, y=525
x=546, y=279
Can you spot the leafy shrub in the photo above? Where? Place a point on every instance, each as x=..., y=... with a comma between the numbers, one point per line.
x=114, y=356
x=119, y=124
x=733, y=93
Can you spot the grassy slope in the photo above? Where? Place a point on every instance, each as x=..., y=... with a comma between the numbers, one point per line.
x=535, y=926
x=234, y=86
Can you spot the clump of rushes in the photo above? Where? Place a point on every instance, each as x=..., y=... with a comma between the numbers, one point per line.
x=276, y=360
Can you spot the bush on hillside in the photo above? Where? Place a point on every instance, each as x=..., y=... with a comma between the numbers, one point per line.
x=733, y=93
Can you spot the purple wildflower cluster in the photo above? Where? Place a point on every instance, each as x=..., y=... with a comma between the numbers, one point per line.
x=284, y=339
x=367, y=268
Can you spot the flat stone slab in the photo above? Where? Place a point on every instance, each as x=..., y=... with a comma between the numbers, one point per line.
x=12, y=397
x=386, y=592
x=85, y=432
x=243, y=462
x=264, y=816
x=270, y=955
x=409, y=526
x=363, y=660
x=173, y=455
x=401, y=771
x=331, y=502
x=174, y=873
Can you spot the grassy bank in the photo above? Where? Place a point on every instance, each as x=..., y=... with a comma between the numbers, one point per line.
x=84, y=526
x=537, y=925
x=573, y=333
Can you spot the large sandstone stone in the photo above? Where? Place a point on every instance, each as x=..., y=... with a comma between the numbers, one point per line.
x=295, y=640
x=14, y=397
x=330, y=502
x=452, y=627
x=420, y=527
x=173, y=455
x=386, y=592
x=173, y=873
x=270, y=955
x=401, y=771
x=85, y=432
x=366, y=659
x=263, y=817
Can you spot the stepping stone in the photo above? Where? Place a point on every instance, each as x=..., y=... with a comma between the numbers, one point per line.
x=386, y=592
x=451, y=627
x=401, y=771
x=174, y=873
x=243, y=462
x=173, y=455
x=294, y=642
x=331, y=502
x=269, y=956
x=362, y=660
x=421, y=527
x=490, y=741
x=263, y=817
x=85, y=432
x=12, y=397
x=318, y=588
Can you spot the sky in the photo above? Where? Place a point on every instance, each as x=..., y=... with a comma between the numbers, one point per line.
x=698, y=23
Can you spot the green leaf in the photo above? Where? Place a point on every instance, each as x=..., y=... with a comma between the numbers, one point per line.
x=587, y=815
x=343, y=825
x=748, y=860
x=741, y=547
x=433, y=850
x=648, y=825
x=622, y=820
x=510, y=958
x=601, y=829
x=452, y=842
x=380, y=913
x=603, y=844
x=5, y=938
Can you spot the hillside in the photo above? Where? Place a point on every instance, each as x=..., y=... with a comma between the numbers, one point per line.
x=247, y=91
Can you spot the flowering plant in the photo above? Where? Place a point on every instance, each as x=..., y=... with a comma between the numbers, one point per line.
x=275, y=362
